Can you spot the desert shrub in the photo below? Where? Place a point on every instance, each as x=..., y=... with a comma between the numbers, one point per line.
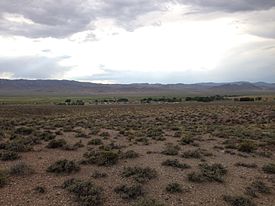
x=78, y=144
x=196, y=177
x=40, y=189
x=171, y=150
x=175, y=163
x=81, y=134
x=247, y=165
x=86, y=192
x=47, y=136
x=63, y=167
x=96, y=141
x=130, y=154
x=129, y=192
x=104, y=134
x=18, y=145
x=178, y=134
x=101, y=158
x=110, y=147
x=148, y=202
x=247, y=146
x=208, y=173
x=96, y=174
x=154, y=132
x=257, y=187
x=230, y=145
x=143, y=140
x=9, y=155
x=3, y=178
x=59, y=132
x=94, y=130
x=269, y=168
x=69, y=147
x=192, y=154
x=56, y=143
x=20, y=169
x=174, y=188
x=246, y=99
x=140, y=174
x=24, y=130
x=238, y=201
x=186, y=140
x=265, y=154
x=2, y=135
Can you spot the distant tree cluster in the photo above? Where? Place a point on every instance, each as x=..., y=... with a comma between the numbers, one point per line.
x=72, y=102
x=110, y=101
x=248, y=99
x=161, y=99
x=205, y=99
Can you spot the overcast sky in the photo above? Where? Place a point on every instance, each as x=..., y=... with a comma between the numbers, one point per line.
x=134, y=41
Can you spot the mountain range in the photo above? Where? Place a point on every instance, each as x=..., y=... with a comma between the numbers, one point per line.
x=22, y=87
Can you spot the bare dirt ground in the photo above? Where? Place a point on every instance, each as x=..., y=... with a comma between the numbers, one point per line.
x=239, y=138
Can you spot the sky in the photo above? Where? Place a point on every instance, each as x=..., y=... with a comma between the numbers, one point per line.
x=138, y=41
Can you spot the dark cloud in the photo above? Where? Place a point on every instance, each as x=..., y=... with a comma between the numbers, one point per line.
x=51, y=18
x=65, y=17
x=230, y=5
x=32, y=67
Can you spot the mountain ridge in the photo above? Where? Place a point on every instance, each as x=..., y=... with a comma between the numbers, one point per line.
x=72, y=87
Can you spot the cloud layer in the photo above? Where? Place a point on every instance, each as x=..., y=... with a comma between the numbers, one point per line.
x=138, y=40
x=49, y=18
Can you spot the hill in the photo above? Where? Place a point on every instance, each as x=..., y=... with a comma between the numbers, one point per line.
x=23, y=87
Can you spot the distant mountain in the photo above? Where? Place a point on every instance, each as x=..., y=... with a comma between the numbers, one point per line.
x=65, y=87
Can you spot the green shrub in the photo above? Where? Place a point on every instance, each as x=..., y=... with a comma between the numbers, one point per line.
x=186, y=140
x=257, y=187
x=20, y=169
x=129, y=192
x=64, y=167
x=96, y=174
x=171, y=150
x=196, y=177
x=3, y=178
x=154, y=132
x=86, y=193
x=130, y=154
x=178, y=134
x=174, y=188
x=148, y=202
x=9, y=155
x=24, y=130
x=247, y=146
x=175, y=163
x=269, y=168
x=192, y=154
x=56, y=143
x=101, y=158
x=247, y=165
x=18, y=145
x=208, y=173
x=40, y=189
x=104, y=134
x=47, y=136
x=140, y=174
x=238, y=201
x=96, y=141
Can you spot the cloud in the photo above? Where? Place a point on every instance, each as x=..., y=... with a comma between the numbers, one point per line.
x=32, y=67
x=230, y=5
x=46, y=18
x=59, y=19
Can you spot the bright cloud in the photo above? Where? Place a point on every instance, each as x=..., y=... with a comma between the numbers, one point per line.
x=138, y=41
